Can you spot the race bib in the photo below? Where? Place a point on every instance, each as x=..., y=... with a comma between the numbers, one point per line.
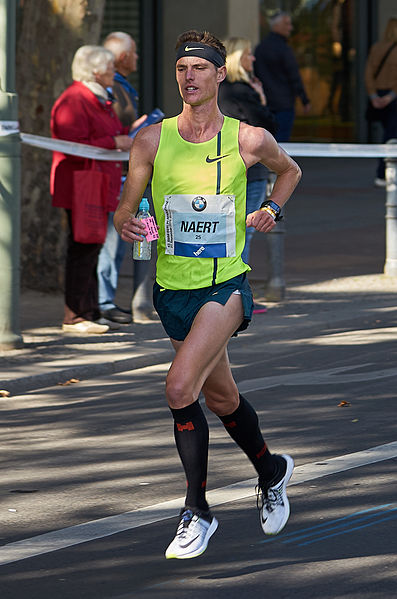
x=200, y=226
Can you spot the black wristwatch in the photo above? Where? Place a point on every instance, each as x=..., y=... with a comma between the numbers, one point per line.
x=272, y=208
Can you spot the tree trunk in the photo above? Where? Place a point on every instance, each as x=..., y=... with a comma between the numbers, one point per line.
x=50, y=33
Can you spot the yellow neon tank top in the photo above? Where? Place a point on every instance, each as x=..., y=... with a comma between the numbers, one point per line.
x=207, y=177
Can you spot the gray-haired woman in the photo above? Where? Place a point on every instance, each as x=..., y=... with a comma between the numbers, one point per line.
x=83, y=113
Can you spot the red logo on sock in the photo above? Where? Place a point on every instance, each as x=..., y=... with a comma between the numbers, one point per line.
x=262, y=451
x=231, y=424
x=185, y=427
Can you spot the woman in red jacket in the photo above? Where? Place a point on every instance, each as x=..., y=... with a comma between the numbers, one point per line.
x=83, y=113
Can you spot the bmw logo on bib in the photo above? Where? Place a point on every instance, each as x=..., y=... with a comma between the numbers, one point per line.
x=199, y=204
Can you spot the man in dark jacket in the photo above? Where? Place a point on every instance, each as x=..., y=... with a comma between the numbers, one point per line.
x=123, y=47
x=277, y=69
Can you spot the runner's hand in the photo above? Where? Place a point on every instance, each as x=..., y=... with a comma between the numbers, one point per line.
x=261, y=221
x=132, y=230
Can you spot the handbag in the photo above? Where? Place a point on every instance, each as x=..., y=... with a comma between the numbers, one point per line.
x=89, y=205
x=373, y=114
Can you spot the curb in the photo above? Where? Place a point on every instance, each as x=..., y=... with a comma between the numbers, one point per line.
x=24, y=384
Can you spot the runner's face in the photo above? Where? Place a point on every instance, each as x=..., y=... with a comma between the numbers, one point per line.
x=197, y=79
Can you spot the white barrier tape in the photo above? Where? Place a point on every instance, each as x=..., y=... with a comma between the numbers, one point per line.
x=73, y=148
x=294, y=149
x=341, y=150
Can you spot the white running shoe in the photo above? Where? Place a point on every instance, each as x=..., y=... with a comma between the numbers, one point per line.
x=192, y=535
x=273, y=502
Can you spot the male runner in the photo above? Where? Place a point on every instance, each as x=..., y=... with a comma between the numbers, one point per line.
x=198, y=162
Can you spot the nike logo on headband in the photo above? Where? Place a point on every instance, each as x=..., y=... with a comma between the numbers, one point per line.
x=187, y=49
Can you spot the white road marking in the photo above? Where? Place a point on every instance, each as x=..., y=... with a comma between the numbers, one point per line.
x=104, y=527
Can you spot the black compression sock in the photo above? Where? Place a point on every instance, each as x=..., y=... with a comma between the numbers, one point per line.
x=243, y=427
x=191, y=437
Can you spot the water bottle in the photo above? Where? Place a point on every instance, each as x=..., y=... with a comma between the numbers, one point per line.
x=142, y=250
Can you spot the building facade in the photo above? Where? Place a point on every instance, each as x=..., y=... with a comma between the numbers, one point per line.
x=330, y=39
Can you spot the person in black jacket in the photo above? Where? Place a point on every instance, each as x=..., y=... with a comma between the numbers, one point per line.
x=125, y=105
x=241, y=97
x=278, y=71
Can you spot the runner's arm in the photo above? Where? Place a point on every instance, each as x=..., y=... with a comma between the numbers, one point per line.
x=258, y=145
x=143, y=152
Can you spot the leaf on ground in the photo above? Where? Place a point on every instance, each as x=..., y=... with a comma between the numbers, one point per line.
x=4, y=393
x=69, y=382
x=344, y=404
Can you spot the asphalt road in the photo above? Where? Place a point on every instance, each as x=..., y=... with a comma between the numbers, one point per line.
x=91, y=483
x=100, y=448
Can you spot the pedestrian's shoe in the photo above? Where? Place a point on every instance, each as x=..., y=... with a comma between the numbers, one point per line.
x=259, y=309
x=144, y=317
x=192, y=535
x=85, y=327
x=380, y=182
x=113, y=326
x=124, y=310
x=116, y=315
x=272, y=501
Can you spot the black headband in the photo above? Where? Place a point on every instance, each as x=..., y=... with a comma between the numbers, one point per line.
x=201, y=50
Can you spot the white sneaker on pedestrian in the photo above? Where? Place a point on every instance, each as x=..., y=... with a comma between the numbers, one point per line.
x=85, y=327
x=192, y=535
x=273, y=502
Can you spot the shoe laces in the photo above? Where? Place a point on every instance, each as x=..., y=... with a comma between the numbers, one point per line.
x=187, y=525
x=268, y=498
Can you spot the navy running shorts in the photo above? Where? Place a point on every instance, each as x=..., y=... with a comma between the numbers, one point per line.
x=177, y=309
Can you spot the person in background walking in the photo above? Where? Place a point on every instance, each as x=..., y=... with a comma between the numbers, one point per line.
x=278, y=71
x=381, y=84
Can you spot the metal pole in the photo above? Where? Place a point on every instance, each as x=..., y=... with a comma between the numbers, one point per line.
x=390, y=267
x=275, y=286
x=10, y=197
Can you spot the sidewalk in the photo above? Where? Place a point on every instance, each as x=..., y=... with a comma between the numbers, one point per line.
x=49, y=357
x=334, y=256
